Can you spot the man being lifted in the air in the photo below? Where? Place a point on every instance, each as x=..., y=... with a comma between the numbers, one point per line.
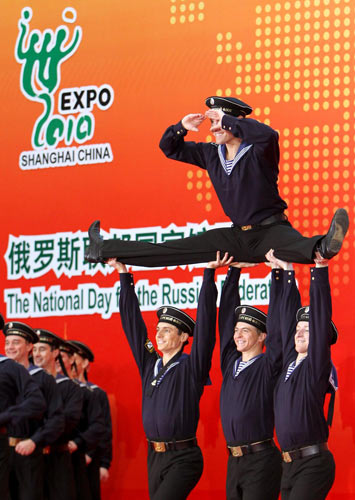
x=243, y=167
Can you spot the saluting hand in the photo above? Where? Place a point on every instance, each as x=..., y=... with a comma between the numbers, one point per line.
x=193, y=121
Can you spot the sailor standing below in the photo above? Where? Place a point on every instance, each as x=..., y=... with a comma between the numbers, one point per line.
x=59, y=476
x=90, y=428
x=19, y=398
x=172, y=384
x=249, y=378
x=28, y=438
x=301, y=427
x=101, y=455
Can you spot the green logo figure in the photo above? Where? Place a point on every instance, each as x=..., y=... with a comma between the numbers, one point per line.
x=41, y=55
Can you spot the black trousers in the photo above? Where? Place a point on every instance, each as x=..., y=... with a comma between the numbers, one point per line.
x=93, y=472
x=245, y=246
x=26, y=475
x=174, y=474
x=4, y=466
x=59, y=483
x=308, y=478
x=254, y=477
x=80, y=474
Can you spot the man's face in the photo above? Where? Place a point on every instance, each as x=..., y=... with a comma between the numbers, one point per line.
x=80, y=363
x=302, y=337
x=67, y=362
x=168, y=339
x=17, y=348
x=247, y=337
x=43, y=355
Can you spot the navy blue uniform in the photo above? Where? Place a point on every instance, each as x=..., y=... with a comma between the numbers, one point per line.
x=247, y=399
x=90, y=431
x=249, y=196
x=299, y=401
x=171, y=412
x=27, y=472
x=19, y=399
x=102, y=455
x=59, y=475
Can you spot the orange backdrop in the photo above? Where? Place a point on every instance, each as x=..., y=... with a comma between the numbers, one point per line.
x=292, y=61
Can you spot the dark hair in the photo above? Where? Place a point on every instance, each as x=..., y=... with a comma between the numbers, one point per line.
x=179, y=333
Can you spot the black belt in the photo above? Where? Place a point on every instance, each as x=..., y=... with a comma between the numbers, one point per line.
x=162, y=446
x=269, y=220
x=55, y=448
x=246, y=449
x=307, y=451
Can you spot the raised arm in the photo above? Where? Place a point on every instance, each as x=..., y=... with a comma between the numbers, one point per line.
x=230, y=299
x=273, y=339
x=320, y=326
x=131, y=318
x=288, y=306
x=175, y=147
x=205, y=328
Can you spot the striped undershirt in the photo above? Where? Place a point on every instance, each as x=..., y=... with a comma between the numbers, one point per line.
x=292, y=366
x=228, y=165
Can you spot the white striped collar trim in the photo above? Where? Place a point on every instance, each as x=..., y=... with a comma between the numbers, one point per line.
x=237, y=157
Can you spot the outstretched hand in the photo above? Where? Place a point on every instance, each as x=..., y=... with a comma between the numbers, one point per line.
x=193, y=121
x=225, y=261
x=119, y=266
x=244, y=264
x=276, y=263
x=320, y=261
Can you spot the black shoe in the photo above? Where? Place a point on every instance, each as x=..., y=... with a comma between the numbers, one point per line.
x=333, y=240
x=93, y=251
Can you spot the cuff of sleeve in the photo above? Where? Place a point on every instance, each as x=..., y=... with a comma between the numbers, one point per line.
x=321, y=274
x=79, y=442
x=179, y=130
x=126, y=278
x=233, y=272
x=277, y=274
x=289, y=276
x=209, y=272
x=228, y=122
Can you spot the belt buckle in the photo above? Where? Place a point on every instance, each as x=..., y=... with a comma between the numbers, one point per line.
x=159, y=446
x=46, y=450
x=246, y=228
x=14, y=441
x=236, y=451
x=286, y=457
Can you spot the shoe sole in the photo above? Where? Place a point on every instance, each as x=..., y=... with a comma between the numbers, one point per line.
x=341, y=226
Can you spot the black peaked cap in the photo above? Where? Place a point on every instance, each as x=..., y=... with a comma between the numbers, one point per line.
x=176, y=317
